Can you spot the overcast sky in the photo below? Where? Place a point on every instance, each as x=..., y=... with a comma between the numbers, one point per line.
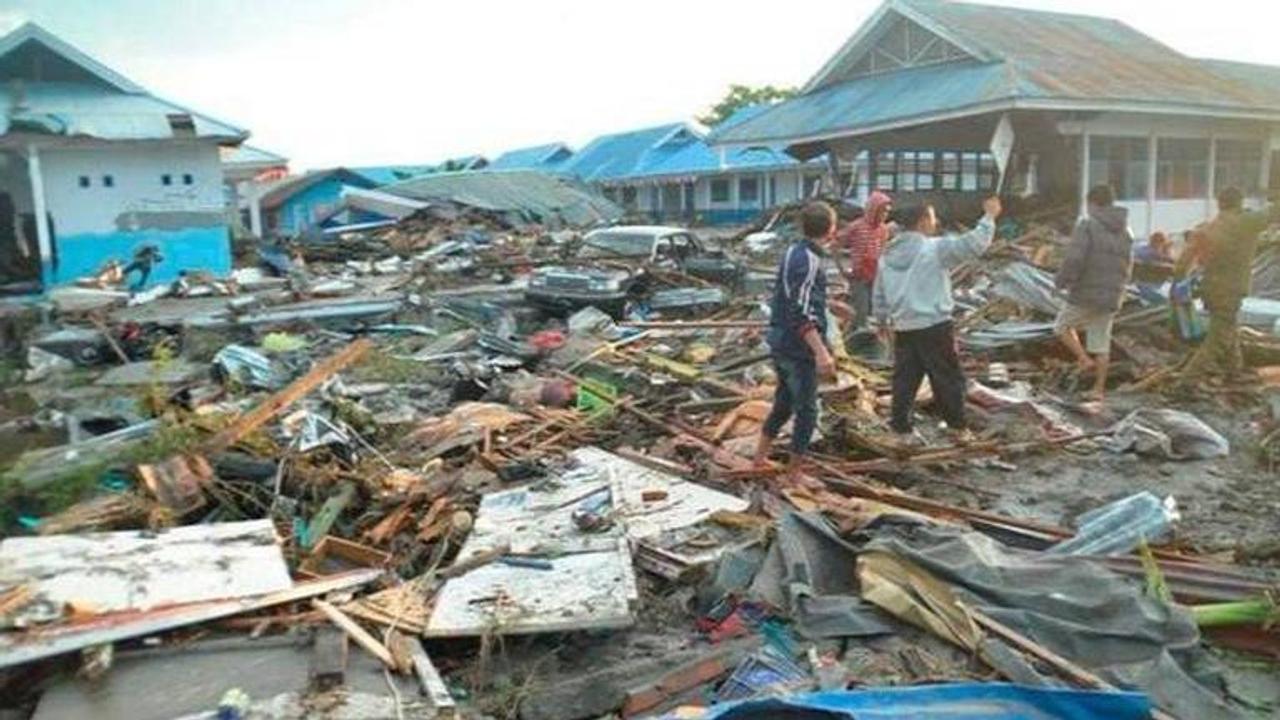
x=361, y=82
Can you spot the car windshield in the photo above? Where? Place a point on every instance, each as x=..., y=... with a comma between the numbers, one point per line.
x=618, y=243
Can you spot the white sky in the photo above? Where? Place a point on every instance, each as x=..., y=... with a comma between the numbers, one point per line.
x=362, y=82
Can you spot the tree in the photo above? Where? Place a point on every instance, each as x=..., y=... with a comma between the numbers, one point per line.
x=740, y=96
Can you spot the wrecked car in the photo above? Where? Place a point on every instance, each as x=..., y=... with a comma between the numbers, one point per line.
x=616, y=264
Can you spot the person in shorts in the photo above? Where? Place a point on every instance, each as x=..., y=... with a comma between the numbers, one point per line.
x=1094, y=274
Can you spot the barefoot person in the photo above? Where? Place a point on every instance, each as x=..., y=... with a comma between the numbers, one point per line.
x=1094, y=274
x=913, y=299
x=797, y=336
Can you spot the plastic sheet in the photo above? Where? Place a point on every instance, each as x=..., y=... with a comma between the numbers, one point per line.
x=962, y=701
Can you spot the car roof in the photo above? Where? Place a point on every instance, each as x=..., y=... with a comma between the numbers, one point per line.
x=655, y=230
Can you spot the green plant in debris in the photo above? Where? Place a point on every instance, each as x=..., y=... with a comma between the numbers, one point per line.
x=381, y=366
x=1261, y=611
x=83, y=480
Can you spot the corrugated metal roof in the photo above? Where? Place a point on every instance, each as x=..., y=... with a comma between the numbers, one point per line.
x=71, y=109
x=281, y=190
x=876, y=100
x=673, y=150
x=531, y=195
x=550, y=157
x=1024, y=56
x=249, y=155
x=1264, y=79
x=92, y=101
x=387, y=174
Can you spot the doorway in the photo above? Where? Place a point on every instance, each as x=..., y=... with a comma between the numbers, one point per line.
x=19, y=245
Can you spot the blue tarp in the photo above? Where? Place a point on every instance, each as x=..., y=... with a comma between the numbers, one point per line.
x=961, y=701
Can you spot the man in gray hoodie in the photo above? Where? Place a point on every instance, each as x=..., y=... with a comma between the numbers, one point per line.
x=1094, y=273
x=913, y=298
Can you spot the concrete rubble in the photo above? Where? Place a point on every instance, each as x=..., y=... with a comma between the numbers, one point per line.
x=376, y=476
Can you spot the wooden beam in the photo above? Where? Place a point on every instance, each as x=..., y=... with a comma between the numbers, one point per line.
x=357, y=633
x=433, y=685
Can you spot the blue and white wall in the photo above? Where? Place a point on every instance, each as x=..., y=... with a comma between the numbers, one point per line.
x=304, y=209
x=109, y=200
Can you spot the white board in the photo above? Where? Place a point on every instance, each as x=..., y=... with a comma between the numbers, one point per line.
x=138, y=570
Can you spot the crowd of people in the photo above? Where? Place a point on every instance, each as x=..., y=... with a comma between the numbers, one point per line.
x=896, y=267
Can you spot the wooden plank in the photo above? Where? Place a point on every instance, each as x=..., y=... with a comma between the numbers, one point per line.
x=357, y=633
x=296, y=390
x=433, y=685
x=50, y=641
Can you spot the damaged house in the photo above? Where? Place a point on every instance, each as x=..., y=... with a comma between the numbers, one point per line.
x=926, y=94
x=671, y=174
x=550, y=158
x=93, y=168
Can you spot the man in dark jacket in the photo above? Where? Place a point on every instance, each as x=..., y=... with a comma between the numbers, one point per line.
x=1094, y=273
x=797, y=332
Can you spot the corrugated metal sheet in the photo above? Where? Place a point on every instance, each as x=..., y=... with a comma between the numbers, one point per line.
x=249, y=155
x=673, y=150
x=876, y=99
x=73, y=109
x=1028, y=56
x=1264, y=79
x=548, y=157
x=527, y=194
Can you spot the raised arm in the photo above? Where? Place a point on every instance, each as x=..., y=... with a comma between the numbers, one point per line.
x=955, y=249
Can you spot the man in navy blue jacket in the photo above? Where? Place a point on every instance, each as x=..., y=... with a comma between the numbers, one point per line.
x=797, y=332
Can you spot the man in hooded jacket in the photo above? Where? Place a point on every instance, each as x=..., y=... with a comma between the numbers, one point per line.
x=863, y=240
x=1094, y=273
x=913, y=298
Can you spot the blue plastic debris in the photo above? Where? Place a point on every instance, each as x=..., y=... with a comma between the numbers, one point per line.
x=961, y=701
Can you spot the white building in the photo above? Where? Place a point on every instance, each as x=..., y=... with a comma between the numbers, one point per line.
x=94, y=168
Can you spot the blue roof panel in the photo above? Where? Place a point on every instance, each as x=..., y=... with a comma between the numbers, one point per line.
x=874, y=100
x=549, y=157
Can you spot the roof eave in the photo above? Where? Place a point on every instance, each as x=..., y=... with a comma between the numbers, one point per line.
x=1072, y=104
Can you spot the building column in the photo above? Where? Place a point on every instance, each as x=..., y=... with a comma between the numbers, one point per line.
x=1269, y=145
x=657, y=201
x=1211, y=182
x=40, y=210
x=800, y=183
x=1152, y=165
x=255, y=209
x=1084, y=172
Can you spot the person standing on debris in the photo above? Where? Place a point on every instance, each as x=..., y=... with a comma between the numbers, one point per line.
x=1224, y=248
x=863, y=240
x=797, y=336
x=912, y=298
x=1094, y=273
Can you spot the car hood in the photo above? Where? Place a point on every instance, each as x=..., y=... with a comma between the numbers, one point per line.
x=573, y=275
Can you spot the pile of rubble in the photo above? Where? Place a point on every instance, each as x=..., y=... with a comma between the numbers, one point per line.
x=212, y=495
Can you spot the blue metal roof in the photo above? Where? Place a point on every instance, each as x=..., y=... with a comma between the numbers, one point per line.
x=386, y=174
x=80, y=96
x=875, y=100
x=1028, y=57
x=549, y=157
x=673, y=150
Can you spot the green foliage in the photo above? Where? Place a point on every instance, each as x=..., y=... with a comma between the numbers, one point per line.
x=740, y=96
